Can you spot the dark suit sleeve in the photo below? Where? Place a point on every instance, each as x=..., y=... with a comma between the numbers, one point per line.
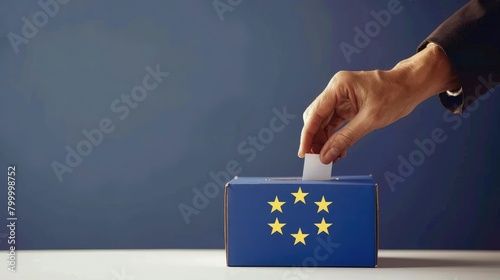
x=471, y=39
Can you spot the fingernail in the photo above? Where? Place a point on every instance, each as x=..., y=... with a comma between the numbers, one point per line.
x=328, y=156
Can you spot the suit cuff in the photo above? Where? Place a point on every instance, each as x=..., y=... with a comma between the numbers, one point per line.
x=451, y=100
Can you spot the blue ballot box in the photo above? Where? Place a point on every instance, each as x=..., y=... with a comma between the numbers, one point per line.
x=291, y=222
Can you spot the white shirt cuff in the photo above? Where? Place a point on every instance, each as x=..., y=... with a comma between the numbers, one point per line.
x=454, y=93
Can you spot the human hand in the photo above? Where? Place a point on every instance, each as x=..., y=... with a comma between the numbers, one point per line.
x=368, y=100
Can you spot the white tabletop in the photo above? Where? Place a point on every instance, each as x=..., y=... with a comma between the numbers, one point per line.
x=210, y=264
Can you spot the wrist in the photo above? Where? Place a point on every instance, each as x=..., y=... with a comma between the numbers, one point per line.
x=429, y=72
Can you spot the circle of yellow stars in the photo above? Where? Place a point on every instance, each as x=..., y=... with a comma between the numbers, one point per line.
x=300, y=196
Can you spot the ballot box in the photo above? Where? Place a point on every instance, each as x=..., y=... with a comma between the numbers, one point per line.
x=295, y=222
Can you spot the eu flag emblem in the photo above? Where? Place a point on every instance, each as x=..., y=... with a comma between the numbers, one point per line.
x=291, y=222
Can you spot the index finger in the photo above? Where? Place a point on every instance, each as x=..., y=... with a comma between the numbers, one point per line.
x=320, y=110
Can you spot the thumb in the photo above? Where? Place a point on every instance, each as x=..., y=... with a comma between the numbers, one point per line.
x=344, y=138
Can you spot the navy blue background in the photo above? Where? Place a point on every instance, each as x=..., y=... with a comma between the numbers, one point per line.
x=225, y=79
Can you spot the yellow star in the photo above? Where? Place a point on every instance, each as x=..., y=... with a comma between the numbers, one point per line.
x=323, y=226
x=300, y=196
x=300, y=237
x=276, y=226
x=276, y=204
x=323, y=205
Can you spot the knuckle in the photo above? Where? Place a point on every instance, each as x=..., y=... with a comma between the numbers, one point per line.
x=346, y=137
x=349, y=76
x=341, y=76
x=305, y=115
x=343, y=80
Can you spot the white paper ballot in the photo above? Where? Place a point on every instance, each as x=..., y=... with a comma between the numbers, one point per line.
x=314, y=169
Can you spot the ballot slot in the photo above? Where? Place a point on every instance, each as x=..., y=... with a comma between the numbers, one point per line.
x=314, y=170
x=297, y=179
